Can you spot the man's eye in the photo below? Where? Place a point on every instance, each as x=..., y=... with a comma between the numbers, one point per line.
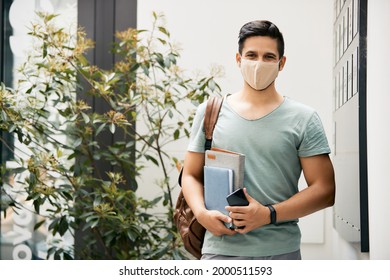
x=270, y=57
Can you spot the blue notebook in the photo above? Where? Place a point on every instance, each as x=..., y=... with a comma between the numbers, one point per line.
x=218, y=183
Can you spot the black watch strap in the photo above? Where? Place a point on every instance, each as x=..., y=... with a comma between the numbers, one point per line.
x=272, y=213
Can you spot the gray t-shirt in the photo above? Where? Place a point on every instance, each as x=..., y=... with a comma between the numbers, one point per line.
x=272, y=146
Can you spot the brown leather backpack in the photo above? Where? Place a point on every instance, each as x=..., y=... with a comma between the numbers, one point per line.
x=190, y=230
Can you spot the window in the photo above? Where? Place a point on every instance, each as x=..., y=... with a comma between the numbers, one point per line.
x=18, y=238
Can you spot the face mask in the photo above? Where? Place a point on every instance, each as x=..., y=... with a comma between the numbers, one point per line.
x=259, y=74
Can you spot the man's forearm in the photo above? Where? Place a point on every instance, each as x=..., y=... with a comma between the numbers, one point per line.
x=193, y=193
x=307, y=201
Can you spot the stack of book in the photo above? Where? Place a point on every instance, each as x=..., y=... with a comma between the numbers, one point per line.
x=223, y=174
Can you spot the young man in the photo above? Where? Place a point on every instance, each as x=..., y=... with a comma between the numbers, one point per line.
x=280, y=138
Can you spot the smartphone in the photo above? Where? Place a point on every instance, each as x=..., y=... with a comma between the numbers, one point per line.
x=237, y=198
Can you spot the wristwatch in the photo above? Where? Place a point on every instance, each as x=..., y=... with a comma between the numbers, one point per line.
x=272, y=213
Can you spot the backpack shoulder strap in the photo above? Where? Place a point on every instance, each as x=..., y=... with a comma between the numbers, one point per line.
x=213, y=107
x=210, y=119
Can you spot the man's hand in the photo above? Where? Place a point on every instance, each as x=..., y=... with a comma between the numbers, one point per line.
x=214, y=221
x=249, y=217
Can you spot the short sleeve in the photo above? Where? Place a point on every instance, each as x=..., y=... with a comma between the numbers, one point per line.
x=197, y=137
x=314, y=141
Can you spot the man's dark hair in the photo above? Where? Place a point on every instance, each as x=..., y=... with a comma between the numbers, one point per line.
x=261, y=28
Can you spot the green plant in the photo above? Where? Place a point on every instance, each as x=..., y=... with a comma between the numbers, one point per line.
x=57, y=168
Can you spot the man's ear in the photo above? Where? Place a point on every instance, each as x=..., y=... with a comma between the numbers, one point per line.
x=282, y=63
x=238, y=59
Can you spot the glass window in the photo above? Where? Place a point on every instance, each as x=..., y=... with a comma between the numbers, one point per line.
x=18, y=238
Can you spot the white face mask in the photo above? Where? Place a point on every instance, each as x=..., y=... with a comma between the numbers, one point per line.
x=259, y=74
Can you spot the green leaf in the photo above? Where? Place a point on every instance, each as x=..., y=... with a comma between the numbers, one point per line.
x=112, y=128
x=54, y=224
x=67, y=256
x=37, y=204
x=211, y=84
x=167, y=62
x=163, y=30
x=133, y=233
x=82, y=59
x=176, y=134
x=145, y=69
x=109, y=77
x=44, y=50
x=162, y=41
x=57, y=255
x=134, y=67
x=77, y=142
x=19, y=170
x=156, y=200
x=67, y=195
x=85, y=117
x=30, y=89
x=49, y=17
x=166, y=199
x=63, y=226
x=51, y=251
x=91, y=224
x=160, y=59
x=100, y=128
x=152, y=159
x=37, y=225
x=172, y=58
x=90, y=218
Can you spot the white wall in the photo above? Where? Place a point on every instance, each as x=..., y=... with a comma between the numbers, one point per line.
x=378, y=117
x=208, y=30
x=378, y=139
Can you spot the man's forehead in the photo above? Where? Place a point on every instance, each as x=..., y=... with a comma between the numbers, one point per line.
x=263, y=43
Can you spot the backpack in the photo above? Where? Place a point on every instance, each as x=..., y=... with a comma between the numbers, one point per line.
x=191, y=231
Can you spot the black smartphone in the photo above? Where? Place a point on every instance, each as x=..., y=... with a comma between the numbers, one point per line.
x=237, y=198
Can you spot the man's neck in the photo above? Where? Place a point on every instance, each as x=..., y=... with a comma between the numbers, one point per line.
x=260, y=97
x=253, y=104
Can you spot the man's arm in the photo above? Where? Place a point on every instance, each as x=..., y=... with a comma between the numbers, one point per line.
x=320, y=193
x=192, y=186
